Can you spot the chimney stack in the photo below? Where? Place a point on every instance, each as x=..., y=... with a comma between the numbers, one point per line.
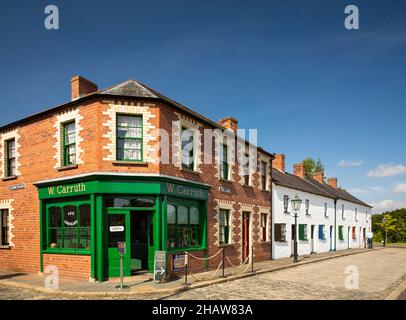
x=298, y=170
x=319, y=176
x=279, y=162
x=332, y=182
x=81, y=87
x=229, y=123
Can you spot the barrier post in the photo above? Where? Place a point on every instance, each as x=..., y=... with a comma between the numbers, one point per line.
x=252, y=258
x=186, y=266
x=224, y=249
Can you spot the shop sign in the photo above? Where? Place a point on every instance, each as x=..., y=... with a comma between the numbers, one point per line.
x=179, y=262
x=17, y=187
x=121, y=248
x=71, y=215
x=225, y=189
x=186, y=191
x=116, y=228
x=67, y=189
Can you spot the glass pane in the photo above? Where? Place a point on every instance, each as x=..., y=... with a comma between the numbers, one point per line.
x=84, y=238
x=194, y=236
x=55, y=238
x=194, y=216
x=183, y=232
x=11, y=149
x=116, y=229
x=183, y=215
x=70, y=238
x=70, y=216
x=55, y=218
x=124, y=202
x=84, y=215
x=129, y=121
x=171, y=214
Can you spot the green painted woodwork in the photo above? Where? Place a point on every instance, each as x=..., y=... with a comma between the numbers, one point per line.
x=91, y=190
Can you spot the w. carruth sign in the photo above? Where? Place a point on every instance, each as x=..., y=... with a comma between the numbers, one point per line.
x=69, y=189
x=185, y=191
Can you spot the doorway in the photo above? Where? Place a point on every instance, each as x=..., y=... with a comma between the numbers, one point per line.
x=313, y=249
x=348, y=237
x=245, y=235
x=136, y=229
x=331, y=238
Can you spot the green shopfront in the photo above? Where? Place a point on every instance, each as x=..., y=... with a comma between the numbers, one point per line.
x=90, y=214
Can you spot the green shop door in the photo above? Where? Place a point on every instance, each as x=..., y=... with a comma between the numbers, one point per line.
x=118, y=228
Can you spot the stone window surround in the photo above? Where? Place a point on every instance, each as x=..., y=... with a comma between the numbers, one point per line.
x=7, y=205
x=136, y=109
x=12, y=134
x=225, y=205
x=61, y=119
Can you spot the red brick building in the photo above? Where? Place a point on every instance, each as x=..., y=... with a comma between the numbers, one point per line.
x=128, y=164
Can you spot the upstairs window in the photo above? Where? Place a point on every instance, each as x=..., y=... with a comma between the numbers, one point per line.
x=356, y=214
x=224, y=226
x=307, y=206
x=69, y=144
x=224, y=169
x=4, y=228
x=325, y=210
x=10, y=158
x=285, y=204
x=188, y=162
x=263, y=175
x=129, y=138
x=342, y=212
x=246, y=171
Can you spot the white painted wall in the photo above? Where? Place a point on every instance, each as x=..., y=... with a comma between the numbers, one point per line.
x=317, y=218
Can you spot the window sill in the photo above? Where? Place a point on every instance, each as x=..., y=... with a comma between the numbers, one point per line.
x=225, y=245
x=5, y=247
x=266, y=242
x=225, y=180
x=66, y=168
x=191, y=171
x=129, y=163
x=180, y=250
x=9, y=178
x=66, y=251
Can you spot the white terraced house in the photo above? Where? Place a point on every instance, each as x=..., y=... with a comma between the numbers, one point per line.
x=329, y=219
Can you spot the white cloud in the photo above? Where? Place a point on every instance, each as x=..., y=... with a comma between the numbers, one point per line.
x=400, y=188
x=359, y=191
x=387, y=170
x=367, y=190
x=387, y=205
x=350, y=163
x=378, y=189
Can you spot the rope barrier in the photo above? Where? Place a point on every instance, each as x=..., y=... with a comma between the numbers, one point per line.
x=211, y=277
x=197, y=258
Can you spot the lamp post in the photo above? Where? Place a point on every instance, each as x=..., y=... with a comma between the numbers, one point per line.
x=296, y=203
x=386, y=234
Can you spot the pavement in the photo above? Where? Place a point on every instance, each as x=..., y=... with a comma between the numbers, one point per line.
x=142, y=287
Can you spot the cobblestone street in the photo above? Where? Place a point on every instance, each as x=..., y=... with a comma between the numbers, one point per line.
x=379, y=272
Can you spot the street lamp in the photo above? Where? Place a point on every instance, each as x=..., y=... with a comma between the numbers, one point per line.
x=296, y=203
x=386, y=235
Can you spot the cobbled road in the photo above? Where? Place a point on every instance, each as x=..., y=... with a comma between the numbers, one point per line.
x=379, y=272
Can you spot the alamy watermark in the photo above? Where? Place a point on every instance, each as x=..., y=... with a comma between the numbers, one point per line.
x=52, y=280
x=351, y=281
x=52, y=20
x=351, y=22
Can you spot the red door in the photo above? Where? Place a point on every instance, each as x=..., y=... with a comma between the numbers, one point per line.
x=245, y=235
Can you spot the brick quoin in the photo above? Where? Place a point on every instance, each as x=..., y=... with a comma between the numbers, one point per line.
x=37, y=163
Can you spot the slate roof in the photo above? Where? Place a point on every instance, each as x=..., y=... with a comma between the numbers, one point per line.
x=312, y=186
x=294, y=182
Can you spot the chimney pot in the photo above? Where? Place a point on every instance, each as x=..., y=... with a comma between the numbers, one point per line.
x=229, y=123
x=298, y=170
x=279, y=162
x=319, y=176
x=332, y=182
x=81, y=86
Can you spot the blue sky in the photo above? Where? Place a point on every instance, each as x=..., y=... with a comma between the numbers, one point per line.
x=288, y=68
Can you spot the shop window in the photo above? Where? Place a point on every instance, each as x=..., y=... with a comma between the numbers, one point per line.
x=303, y=232
x=263, y=175
x=322, y=232
x=129, y=202
x=10, y=158
x=183, y=226
x=285, y=204
x=224, y=168
x=341, y=232
x=188, y=155
x=280, y=232
x=69, y=144
x=307, y=206
x=4, y=227
x=69, y=227
x=129, y=138
x=224, y=226
x=264, y=224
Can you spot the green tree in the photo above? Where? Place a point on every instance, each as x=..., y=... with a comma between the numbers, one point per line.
x=389, y=227
x=311, y=166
